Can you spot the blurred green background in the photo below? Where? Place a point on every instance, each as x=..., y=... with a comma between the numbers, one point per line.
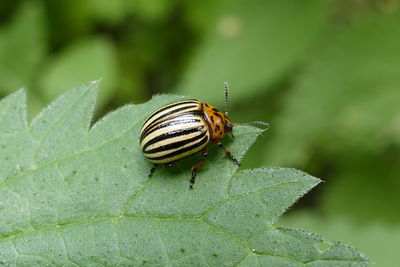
x=325, y=74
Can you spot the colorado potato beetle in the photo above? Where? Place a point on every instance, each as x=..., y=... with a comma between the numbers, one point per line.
x=184, y=128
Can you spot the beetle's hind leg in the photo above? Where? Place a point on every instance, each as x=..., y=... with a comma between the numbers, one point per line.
x=227, y=152
x=169, y=164
x=152, y=170
x=204, y=153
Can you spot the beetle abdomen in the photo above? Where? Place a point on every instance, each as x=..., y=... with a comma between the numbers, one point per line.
x=174, y=132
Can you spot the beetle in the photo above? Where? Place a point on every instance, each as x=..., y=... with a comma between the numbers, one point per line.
x=183, y=128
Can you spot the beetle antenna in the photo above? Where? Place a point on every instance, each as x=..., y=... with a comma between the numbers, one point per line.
x=226, y=85
x=260, y=123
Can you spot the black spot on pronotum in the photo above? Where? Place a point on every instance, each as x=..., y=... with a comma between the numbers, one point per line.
x=217, y=128
x=218, y=115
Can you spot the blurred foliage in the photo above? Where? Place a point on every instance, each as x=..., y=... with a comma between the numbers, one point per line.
x=269, y=37
x=22, y=48
x=94, y=58
x=346, y=107
x=324, y=73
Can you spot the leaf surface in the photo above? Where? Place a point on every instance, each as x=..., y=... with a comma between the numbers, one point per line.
x=78, y=195
x=368, y=236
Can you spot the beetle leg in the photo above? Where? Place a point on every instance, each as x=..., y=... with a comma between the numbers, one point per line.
x=170, y=164
x=204, y=152
x=227, y=152
x=152, y=170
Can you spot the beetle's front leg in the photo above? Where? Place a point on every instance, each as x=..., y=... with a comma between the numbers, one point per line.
x=227, y=152
x=204, y=152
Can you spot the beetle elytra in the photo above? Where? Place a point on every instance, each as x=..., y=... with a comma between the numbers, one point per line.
x=184, y=128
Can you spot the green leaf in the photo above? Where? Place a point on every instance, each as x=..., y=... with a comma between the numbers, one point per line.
x=22, y=47
x=86, y=60
x=252, y=44
x=149, y=11
x=347, y=97
x=379, y=240
x=344, y=110
x=76, y=194
x=107, y=11
x=368, y=175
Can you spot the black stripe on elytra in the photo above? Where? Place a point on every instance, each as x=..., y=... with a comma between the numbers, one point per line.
x=163, y=116
x=157, y=122
x=171, y=134
x=170, y=106
x=168, y=123
x=175, y=145
x=181, y=151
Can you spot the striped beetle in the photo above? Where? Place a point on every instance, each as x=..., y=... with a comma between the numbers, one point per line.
x=183, y=128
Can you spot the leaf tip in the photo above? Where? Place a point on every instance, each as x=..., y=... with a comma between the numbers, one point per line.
x=20, y=93
x=96, y=82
